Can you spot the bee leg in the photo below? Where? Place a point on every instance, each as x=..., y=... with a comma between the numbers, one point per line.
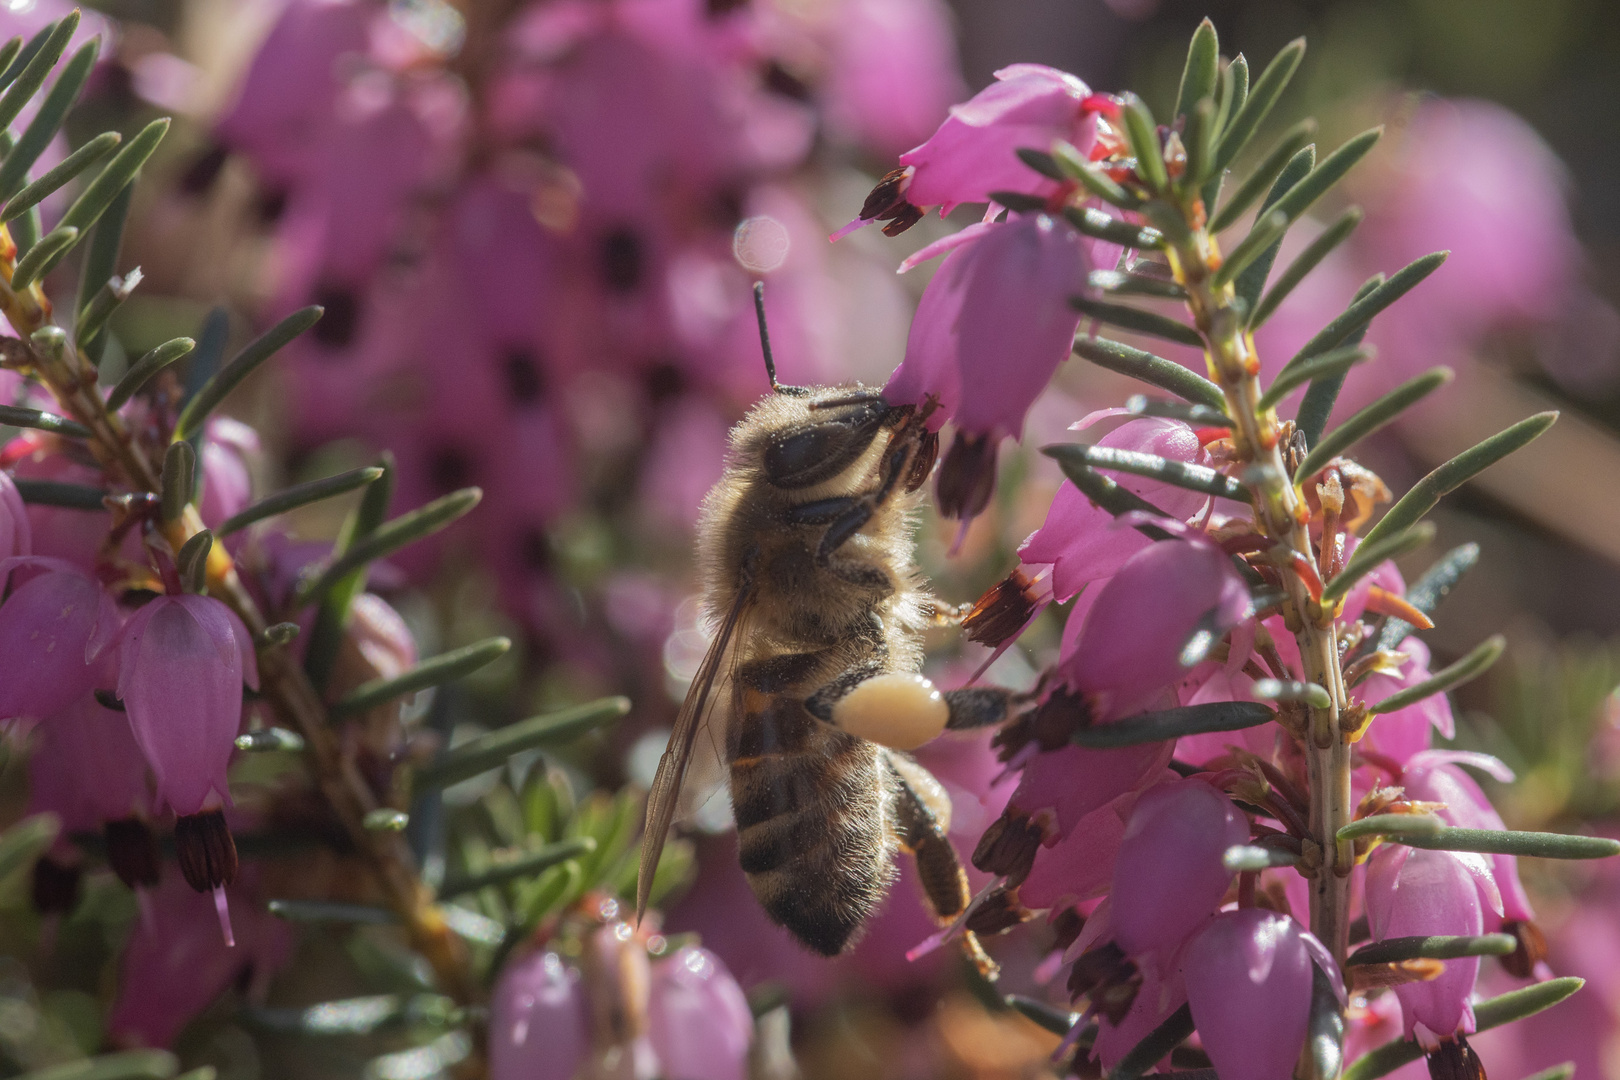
x=895, y=465
x=922, y=833
x=978, y=706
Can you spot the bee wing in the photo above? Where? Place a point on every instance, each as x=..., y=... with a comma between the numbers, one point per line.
x=664, y=799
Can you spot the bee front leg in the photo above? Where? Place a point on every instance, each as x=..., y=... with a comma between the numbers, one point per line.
x=922, y=816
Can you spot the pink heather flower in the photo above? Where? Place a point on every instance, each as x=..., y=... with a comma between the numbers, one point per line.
x=1151, y=622
x=1400, y=734
x=974, y=152
x=175, y=964
x=1158, y=997
x=993, y=324
x=86, y=768
x=537, y=1025
x=182, y=663
x=1433, y=776
x=226, y=485
x=1081, y=541
x=1411, y=891
x=1079, y=866
x=1249, y=983
x=893, y=72
x=1169, y=877
x=15, y=536
x=1073, y=782
x=697, y=1018
x=53, y=628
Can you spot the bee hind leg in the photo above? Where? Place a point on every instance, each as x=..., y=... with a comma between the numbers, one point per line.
x=978, y=706
x=922, y=813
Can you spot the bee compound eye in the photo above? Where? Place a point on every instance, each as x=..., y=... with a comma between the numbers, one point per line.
x=898, y=710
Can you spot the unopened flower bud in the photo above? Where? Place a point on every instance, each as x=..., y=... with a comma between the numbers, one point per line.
x=206, y=851
x=967, y=477
x=132, y=851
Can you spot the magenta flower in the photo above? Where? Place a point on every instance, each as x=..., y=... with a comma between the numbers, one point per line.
x=537, y=1025
x=974, y=152
x=1169, y=877
x=1411, y=891
x=1157, y=997
x=175, y=964
x=698, y=1019
x=15, y=536
x=182, y=663
x=86, y=768
x=1249, y=984
x=1433, y=776
x=893, y=72
x=1151, y=622
x=226, y=485
x=1073, y=782
x=1400, y=734
x=53, y=628
x=1081, y=541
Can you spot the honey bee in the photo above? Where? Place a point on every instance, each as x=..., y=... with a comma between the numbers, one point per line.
x=810, y=693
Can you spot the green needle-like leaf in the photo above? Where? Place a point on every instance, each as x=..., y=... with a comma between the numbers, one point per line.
x=1514, y=1005
x=1125, y=283
x=17, y=416
x=1248, y=284
x=106, y=299
x=1151, y=369
x=1196, y=415
x=492, y=750
x=1557, y=1072
x=405, y=529
x=26, y=841
x=1304, y=263
x=1439, y=947
x=1362, y=310
x=1327, y=365
x=330, y=911
x=1077, y=168
x=1144, y=138
x=1369, y=556
x=1040, y=161
x=1203, y=67
x=70, y=167
x=1258, y=102
x=1199, y=137
x=1266, y=232
x=446, y=667
x=1540, y=845
x=1239, y=67
x=1199, y=478
x=1324, y=1034
x=1310, y=693
x=271, y=739
x=300, y=495
x=1057, y=1021
x=277, y=634
x=127, y=1065
x=1111, y=496
x=42, y=256
x=1018, y=201
x=1174, y=723
x=120, y=171
x=1264, y=175
x=1153, y=1048
x=58, y=493
x=8, y=55
x=142, y=371
x=1459, y=470
x=1425, y=595
x=1476, y=663
x=100, y=264
x=1333, y=168
x=1252, y=858
x=33, y=74
x=1404, y=825
x=1143, y=322
x=192, y=561
x=179, y=479
x=239, y=367
x=1094, y=223
x=386, y=819
x=1369, y=420
x=522, y=867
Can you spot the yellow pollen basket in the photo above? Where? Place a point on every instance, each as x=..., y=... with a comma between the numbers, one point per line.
x=898, y=710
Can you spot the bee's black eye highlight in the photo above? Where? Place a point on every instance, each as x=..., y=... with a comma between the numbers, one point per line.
x=814, y=452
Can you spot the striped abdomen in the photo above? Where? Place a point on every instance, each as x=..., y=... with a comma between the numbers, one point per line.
x=811, y=804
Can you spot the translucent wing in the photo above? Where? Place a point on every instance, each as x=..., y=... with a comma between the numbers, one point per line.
x=691, y=730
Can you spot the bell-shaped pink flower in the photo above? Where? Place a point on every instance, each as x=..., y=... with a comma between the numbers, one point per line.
x=1157, y=997
x=1433, y=776
x=226, y=485
x=1074, y=781
x=182, y=663
x=53, y=628
x=1403, y=733
x=698, y=1019
x=1079, y=866
x=86, y=768
x=1411, y=892
x=1169, y=877
x=1080, y=539
x=1249, y=984
x=16, y=538
x=994, y=324
x=1151, y=622
x=176, y=965
x=537, y=1024
x=974, y=152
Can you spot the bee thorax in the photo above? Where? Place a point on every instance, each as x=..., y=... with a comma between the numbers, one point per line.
x=898, y=710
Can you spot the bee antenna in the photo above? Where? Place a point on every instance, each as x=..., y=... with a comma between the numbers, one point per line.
x=765, y=336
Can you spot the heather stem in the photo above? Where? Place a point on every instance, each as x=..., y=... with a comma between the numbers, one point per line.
x=71, y=378
x=1280, y=514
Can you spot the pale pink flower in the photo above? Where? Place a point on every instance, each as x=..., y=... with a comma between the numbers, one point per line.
x=53, y=628
x=1249, y=984
x=537, y=1024
x=697, y=1018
